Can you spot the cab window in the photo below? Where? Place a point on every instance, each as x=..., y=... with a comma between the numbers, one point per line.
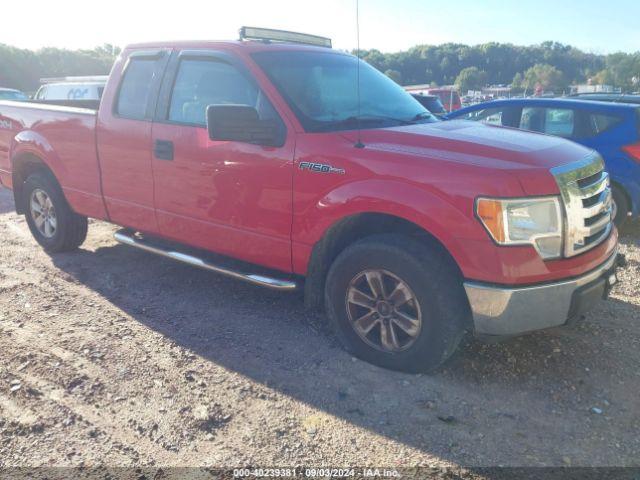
x=200, y=83
x=135, y=88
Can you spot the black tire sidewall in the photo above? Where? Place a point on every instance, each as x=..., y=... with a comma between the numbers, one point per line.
x=64, y=215
x=437, y=291
x=622, y=206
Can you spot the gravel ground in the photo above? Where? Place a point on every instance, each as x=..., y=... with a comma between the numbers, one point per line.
x=113, y=356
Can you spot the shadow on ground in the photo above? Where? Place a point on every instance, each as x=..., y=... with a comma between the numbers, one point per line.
x=515, y=389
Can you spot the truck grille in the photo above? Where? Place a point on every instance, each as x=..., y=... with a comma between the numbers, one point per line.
x=586, y=194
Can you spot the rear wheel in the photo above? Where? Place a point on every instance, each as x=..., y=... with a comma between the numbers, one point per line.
x=52, y=222
x=621, y=207
x=397, y=303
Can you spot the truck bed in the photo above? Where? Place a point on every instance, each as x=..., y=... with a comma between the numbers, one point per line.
x=64, y=137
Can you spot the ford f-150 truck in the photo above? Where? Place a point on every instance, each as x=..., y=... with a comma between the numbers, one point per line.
x=265, y=159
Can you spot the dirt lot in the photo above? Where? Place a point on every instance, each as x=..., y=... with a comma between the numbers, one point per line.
x=114, y=356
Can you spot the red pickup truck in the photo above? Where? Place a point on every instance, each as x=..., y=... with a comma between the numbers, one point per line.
x=409, y=231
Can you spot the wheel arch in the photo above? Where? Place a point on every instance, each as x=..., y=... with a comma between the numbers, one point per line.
x=622, y=189
x=351, y=229
x=23, y=165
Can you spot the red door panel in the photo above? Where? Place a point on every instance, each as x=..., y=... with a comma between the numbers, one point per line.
x=229, y=197
x=124, y=138
x=127, y=180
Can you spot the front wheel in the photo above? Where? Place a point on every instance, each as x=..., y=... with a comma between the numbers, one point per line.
x=397, y=302
x=52, y=222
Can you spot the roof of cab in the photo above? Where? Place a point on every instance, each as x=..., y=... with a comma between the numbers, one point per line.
x=245, y=45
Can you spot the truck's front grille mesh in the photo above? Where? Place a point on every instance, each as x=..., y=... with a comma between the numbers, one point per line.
x=586, y=195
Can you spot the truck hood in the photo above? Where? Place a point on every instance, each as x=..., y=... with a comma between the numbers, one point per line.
x=529, y=156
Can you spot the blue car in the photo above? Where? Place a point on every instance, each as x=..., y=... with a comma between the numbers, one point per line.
x=612, y=129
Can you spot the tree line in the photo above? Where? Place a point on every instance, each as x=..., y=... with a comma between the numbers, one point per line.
x=23, y=69
x=552, y=65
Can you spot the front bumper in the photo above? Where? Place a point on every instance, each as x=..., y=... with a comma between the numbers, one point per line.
x=505, y=311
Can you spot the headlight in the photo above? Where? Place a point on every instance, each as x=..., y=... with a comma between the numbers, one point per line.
x=524, y=221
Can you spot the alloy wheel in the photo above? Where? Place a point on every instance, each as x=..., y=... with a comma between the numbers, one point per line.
x=383, y=310
x=43, y=213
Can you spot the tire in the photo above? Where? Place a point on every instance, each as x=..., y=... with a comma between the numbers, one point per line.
x=428, y=276
x=64, y=230
x=622, y=207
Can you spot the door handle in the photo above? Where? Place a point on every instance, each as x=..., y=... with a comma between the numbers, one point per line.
x=163, y=149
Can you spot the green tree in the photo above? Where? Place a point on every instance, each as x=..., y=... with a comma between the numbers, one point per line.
x=437, y=64
x=471, y=78
x=517, y=81
x=23, y=69
x=394, y=75
x=604, y=77
x=622, y=70
x=545, y=76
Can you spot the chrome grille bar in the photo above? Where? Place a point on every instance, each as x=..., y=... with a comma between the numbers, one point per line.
x=586, y=194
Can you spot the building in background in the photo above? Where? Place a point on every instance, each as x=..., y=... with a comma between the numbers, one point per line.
x=588, y=88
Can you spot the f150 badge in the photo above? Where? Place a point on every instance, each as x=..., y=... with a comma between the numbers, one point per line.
x=6, y=124
x=320, y=168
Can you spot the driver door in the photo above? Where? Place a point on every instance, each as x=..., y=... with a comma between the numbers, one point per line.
x=229, y=197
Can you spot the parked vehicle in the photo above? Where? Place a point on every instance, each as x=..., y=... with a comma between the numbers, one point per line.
x=409, y=231
x=610, y=128
x=431, y=103
x=449, y=98
x=12, y=94
x=609, y=97
x=72, y=88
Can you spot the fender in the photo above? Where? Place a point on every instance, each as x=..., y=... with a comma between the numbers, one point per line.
x=27, y=145
x=28, y=142
x=431, y=210
x=79, y=182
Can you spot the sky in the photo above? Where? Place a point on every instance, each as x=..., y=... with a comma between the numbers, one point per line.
x=389, y=25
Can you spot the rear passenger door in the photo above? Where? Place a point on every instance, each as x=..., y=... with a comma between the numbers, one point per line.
x=230, y=197
x=124, y=139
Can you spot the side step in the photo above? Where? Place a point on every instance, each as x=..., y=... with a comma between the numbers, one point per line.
x=129, y=238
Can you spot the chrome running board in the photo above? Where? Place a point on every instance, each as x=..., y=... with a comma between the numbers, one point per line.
x=130, y=239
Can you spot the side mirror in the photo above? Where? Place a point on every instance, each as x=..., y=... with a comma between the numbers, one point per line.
x=241, y=123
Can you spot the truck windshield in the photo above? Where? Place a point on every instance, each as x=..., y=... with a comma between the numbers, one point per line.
x=321, y=90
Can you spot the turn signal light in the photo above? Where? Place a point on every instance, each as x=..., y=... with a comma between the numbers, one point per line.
x=491, y=214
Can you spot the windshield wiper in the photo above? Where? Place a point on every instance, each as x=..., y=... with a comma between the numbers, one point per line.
x=421, y=116
x=372, y=118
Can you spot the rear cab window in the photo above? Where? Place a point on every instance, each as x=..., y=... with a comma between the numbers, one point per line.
x=135, y=88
